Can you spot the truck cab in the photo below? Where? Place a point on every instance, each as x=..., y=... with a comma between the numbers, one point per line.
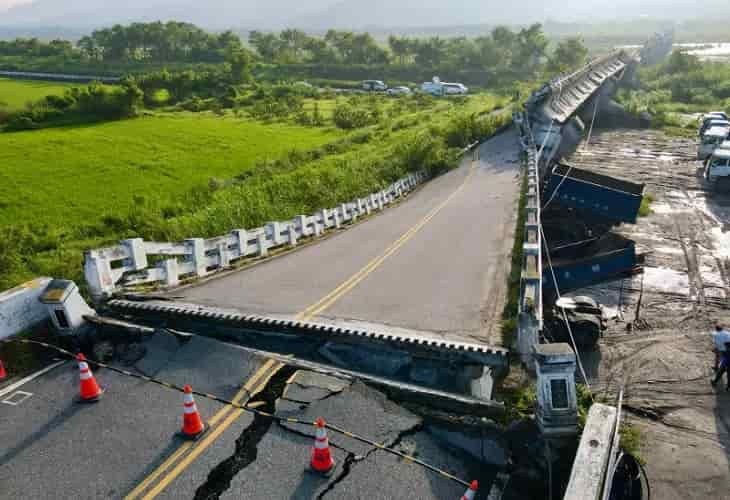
x=711, y=140
x=718, y=169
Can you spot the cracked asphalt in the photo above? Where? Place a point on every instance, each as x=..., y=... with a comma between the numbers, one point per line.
x=54, y=448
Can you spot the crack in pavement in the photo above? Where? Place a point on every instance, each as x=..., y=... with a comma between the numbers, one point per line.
x=349, y=463
x=220, y=477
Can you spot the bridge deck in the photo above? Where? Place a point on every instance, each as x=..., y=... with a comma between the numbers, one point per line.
x=438, y=262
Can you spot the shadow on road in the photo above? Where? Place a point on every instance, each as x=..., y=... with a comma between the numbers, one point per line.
x=41, y=433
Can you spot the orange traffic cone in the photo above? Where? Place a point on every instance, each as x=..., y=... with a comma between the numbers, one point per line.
x=3, y=373
x=90, y=390
x=471, y=492
x=322, y=461
x=193, y=426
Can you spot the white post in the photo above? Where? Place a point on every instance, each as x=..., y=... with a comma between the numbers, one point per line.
x=138, y=255
x=224, y=257
x=241, y=240
x=292, y=235
x=336, y=218
x=300, y=222
x=315, y=223
x=172, y=273
x=197, y=255
x=345, y=215
x=262, y=244
x=275, y=229
x=325, y=218
x=98, y=274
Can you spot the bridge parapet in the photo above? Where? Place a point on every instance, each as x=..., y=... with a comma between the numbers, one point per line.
x=136, y=262
x=530, y=304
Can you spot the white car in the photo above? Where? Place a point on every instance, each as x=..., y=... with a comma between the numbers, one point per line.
x=374, y=85
x=454, y=88
x=399, y=91
x=711, y=140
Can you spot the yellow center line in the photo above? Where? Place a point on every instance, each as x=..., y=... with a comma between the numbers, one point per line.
x=270, y=368
x=245, y=389
x=209, y=439
x=350, y=283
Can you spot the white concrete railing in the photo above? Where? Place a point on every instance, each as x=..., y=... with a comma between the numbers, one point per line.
x=530, y=305
x=590, y=471
x=21, y=309
x=137, y=262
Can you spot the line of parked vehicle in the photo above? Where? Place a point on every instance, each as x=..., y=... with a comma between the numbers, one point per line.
x=435, y=87
x=714, y=149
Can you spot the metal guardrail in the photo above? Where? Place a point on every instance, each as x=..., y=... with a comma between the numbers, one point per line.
x=530, y=304
x=130, y=264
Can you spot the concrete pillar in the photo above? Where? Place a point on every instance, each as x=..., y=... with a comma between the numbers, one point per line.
x=241, y=240
x=138, y=257
x=336, y=218
x=317, y=228
x=66, y=307
x=172, y=272
x=262, y=246
x=98, y=274
x=557, y=402
x=224, y=256
x=292, y=233
x=274, y=229
x=300, y=222
x=196, y=246
x=592, y=458
x=324, y=213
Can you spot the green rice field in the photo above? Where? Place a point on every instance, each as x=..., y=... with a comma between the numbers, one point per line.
x=75, y=175
x=14, y=94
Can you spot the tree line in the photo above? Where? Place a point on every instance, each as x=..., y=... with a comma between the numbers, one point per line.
x=522, y=53
x=159, y=42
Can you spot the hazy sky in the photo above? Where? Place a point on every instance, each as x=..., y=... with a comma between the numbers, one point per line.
x=6, y=4
x=348, y=13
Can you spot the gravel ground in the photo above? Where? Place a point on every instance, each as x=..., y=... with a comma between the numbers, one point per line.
x=662, y=353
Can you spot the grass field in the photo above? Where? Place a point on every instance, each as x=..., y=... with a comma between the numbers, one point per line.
x=167, y=176
x=14, y=94
x=74, y=175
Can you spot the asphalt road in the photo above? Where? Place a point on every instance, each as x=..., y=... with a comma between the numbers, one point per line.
x=437, y=262
x=54, y=448
x=125, y=446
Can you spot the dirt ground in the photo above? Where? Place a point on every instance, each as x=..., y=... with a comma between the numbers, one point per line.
x=665, y=360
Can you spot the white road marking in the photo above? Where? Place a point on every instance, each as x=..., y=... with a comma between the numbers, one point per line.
x=17, y=397
x=20, y=383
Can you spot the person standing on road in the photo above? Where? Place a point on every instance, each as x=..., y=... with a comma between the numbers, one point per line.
x=721, y=339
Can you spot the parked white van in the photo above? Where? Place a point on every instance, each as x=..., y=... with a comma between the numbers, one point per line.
x=711, y=140
x=438, y=88
x=718, y=169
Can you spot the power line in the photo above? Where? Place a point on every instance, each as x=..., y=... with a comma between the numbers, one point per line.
x=565, y=316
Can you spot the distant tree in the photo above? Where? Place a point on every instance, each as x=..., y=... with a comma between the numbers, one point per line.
x=569, y=54
x=240, y=62
x=681, y=62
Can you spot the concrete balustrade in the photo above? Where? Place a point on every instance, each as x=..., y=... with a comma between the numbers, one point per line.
x=530, y=306
x=113, y=269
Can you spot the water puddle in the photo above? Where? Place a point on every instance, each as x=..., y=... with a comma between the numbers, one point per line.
x=666, y=280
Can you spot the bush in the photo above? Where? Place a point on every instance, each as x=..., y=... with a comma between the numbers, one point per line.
x=348, y=117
